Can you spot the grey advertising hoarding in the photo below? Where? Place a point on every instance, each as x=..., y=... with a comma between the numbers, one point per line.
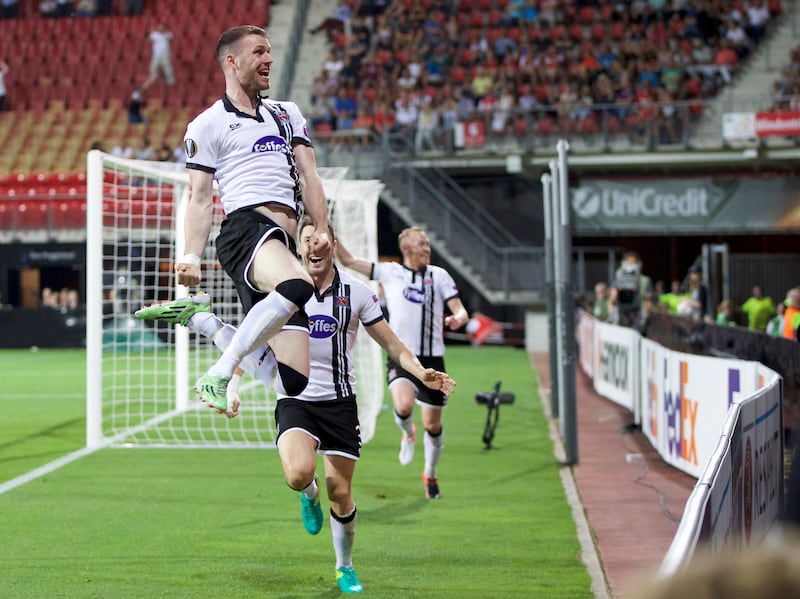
x=691, y=205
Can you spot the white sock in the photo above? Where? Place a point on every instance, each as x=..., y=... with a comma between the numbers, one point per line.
x=259, y=364
x=311, y=490
x=262, y=322
x=406, y=424
x=433, y=449
x=343, y=531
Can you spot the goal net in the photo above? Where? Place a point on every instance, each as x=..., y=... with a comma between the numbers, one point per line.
x=140, y=374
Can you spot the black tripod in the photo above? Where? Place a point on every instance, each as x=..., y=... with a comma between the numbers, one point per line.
x=492, y=399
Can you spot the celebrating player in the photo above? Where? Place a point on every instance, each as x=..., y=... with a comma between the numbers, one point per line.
x=416, y=294
x=260, y=153
x=324, y=419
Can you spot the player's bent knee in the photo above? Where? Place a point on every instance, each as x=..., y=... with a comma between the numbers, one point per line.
x=290, y=381
x=296, y=291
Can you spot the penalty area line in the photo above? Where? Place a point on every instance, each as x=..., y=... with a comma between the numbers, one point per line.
x=46, y=469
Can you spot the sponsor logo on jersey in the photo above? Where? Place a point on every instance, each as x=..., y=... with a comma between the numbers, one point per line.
x=322, y=326
x=235, y=126
x=190, y=147
x=271, y=143
x=414, y=295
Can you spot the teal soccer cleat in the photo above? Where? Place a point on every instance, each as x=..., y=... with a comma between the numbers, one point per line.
x=311, y=511
x=348, y=581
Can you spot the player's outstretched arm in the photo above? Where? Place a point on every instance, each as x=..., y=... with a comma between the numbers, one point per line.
x=198, y=228
x=347, y=259
x=459, y=316
x=398, y=351
x=314, y=201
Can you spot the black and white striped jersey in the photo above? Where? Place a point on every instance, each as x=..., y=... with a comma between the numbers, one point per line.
x=333, y=320
x=416, y=301
x=250, y=156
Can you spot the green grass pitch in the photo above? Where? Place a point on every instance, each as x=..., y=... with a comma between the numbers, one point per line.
x=177, y=523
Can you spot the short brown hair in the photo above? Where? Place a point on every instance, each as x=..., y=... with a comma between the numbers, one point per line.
x=233, y=36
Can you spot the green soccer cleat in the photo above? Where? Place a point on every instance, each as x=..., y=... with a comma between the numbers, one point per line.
x=348, y=581
x=311, y=511
x=212, y=389
x=178, y=311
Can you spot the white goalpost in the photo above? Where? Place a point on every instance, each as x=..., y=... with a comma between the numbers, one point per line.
x=140, y=373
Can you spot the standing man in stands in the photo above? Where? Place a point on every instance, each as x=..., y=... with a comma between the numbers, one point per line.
x=416, y=294
x=260, y=153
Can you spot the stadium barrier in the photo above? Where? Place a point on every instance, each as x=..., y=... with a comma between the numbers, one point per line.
x=719, y=420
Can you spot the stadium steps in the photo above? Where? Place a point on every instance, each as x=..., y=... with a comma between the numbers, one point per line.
x=313, y=51
x=496, y=297
x=753, y=84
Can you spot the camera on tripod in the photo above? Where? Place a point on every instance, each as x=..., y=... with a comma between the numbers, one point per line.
x=492, y=401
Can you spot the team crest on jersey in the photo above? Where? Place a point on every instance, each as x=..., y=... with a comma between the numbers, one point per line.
x=414, y=295
x=271, y=143
x=343, y=300
x=190, y=147
x=322, y=326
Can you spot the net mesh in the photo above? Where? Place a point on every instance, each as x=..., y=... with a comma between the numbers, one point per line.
x=142, y=394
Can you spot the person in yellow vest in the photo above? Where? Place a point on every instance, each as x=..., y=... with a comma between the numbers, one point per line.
x=759, y=309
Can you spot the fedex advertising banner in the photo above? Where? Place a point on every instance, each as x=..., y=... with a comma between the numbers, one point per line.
x=697, y=393
x=654, y=377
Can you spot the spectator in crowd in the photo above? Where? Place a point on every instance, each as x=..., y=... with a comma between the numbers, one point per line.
x=9, y=9
x=427, y=123
x=49, y=298
x=791, y=316
x=629, y=292
x=86, y=8
x=104, y=8
x=135, y=105
x=123, y=150
x=759, y=309
x=775, y=325
x=161, y=60
x=724, y=313
x=64, y=8
x=4, y=69
x=48, y=8
x=338, y=22
x=698, y=294
x=671, y=300
x=601, y=300
x=757, y=18
x=145, y=151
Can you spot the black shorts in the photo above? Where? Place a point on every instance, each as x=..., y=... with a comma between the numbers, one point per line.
x=334, y=424
x=240, y=235
x=425, y=396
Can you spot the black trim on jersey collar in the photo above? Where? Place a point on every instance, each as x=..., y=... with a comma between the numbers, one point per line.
x=334, y=284
x=415, y=272
x=226, y=102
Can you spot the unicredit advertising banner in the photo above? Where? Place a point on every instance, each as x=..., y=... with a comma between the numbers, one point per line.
x=689, y=205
